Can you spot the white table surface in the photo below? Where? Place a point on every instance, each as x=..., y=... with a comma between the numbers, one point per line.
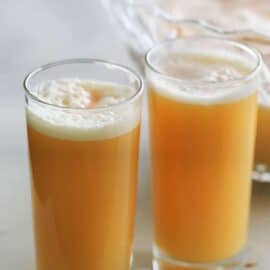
x=33, y=32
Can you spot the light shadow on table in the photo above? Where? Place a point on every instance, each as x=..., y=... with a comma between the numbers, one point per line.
x=142, y=260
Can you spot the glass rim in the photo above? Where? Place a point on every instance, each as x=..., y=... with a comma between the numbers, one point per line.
x=123, y=68
x=237, y=81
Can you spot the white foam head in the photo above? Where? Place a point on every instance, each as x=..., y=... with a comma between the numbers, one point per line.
x=204, y=79
x=92, y=110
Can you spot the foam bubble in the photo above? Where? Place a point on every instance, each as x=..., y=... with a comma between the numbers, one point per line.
x=208, y=70
x=82, y=123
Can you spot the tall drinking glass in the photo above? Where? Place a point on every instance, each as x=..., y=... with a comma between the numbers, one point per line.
x=203, y=109
x=83, y=121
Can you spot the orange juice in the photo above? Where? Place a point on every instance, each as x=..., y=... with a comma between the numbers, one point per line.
x=84, y=174
x=262, y=153
x=262, y=149
x=201, y=149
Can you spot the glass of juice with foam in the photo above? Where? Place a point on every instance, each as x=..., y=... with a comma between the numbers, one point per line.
x=83, y=122
x=203, y=110
x=262, y=150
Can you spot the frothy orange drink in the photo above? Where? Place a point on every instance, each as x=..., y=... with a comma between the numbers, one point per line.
x=202, y=142
x=84, y=173
x=262, y=149
x=262, y=153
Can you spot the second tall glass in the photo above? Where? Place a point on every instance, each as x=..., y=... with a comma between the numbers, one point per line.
x=203, y=110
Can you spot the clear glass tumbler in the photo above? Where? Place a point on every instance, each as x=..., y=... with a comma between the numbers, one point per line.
x=83, y=122
x=203, y=109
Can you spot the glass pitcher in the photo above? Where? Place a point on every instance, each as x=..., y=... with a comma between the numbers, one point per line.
x=147, y=22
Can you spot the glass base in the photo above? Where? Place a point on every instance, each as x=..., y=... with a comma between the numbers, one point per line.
x=242, y=261
x=261, y=173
